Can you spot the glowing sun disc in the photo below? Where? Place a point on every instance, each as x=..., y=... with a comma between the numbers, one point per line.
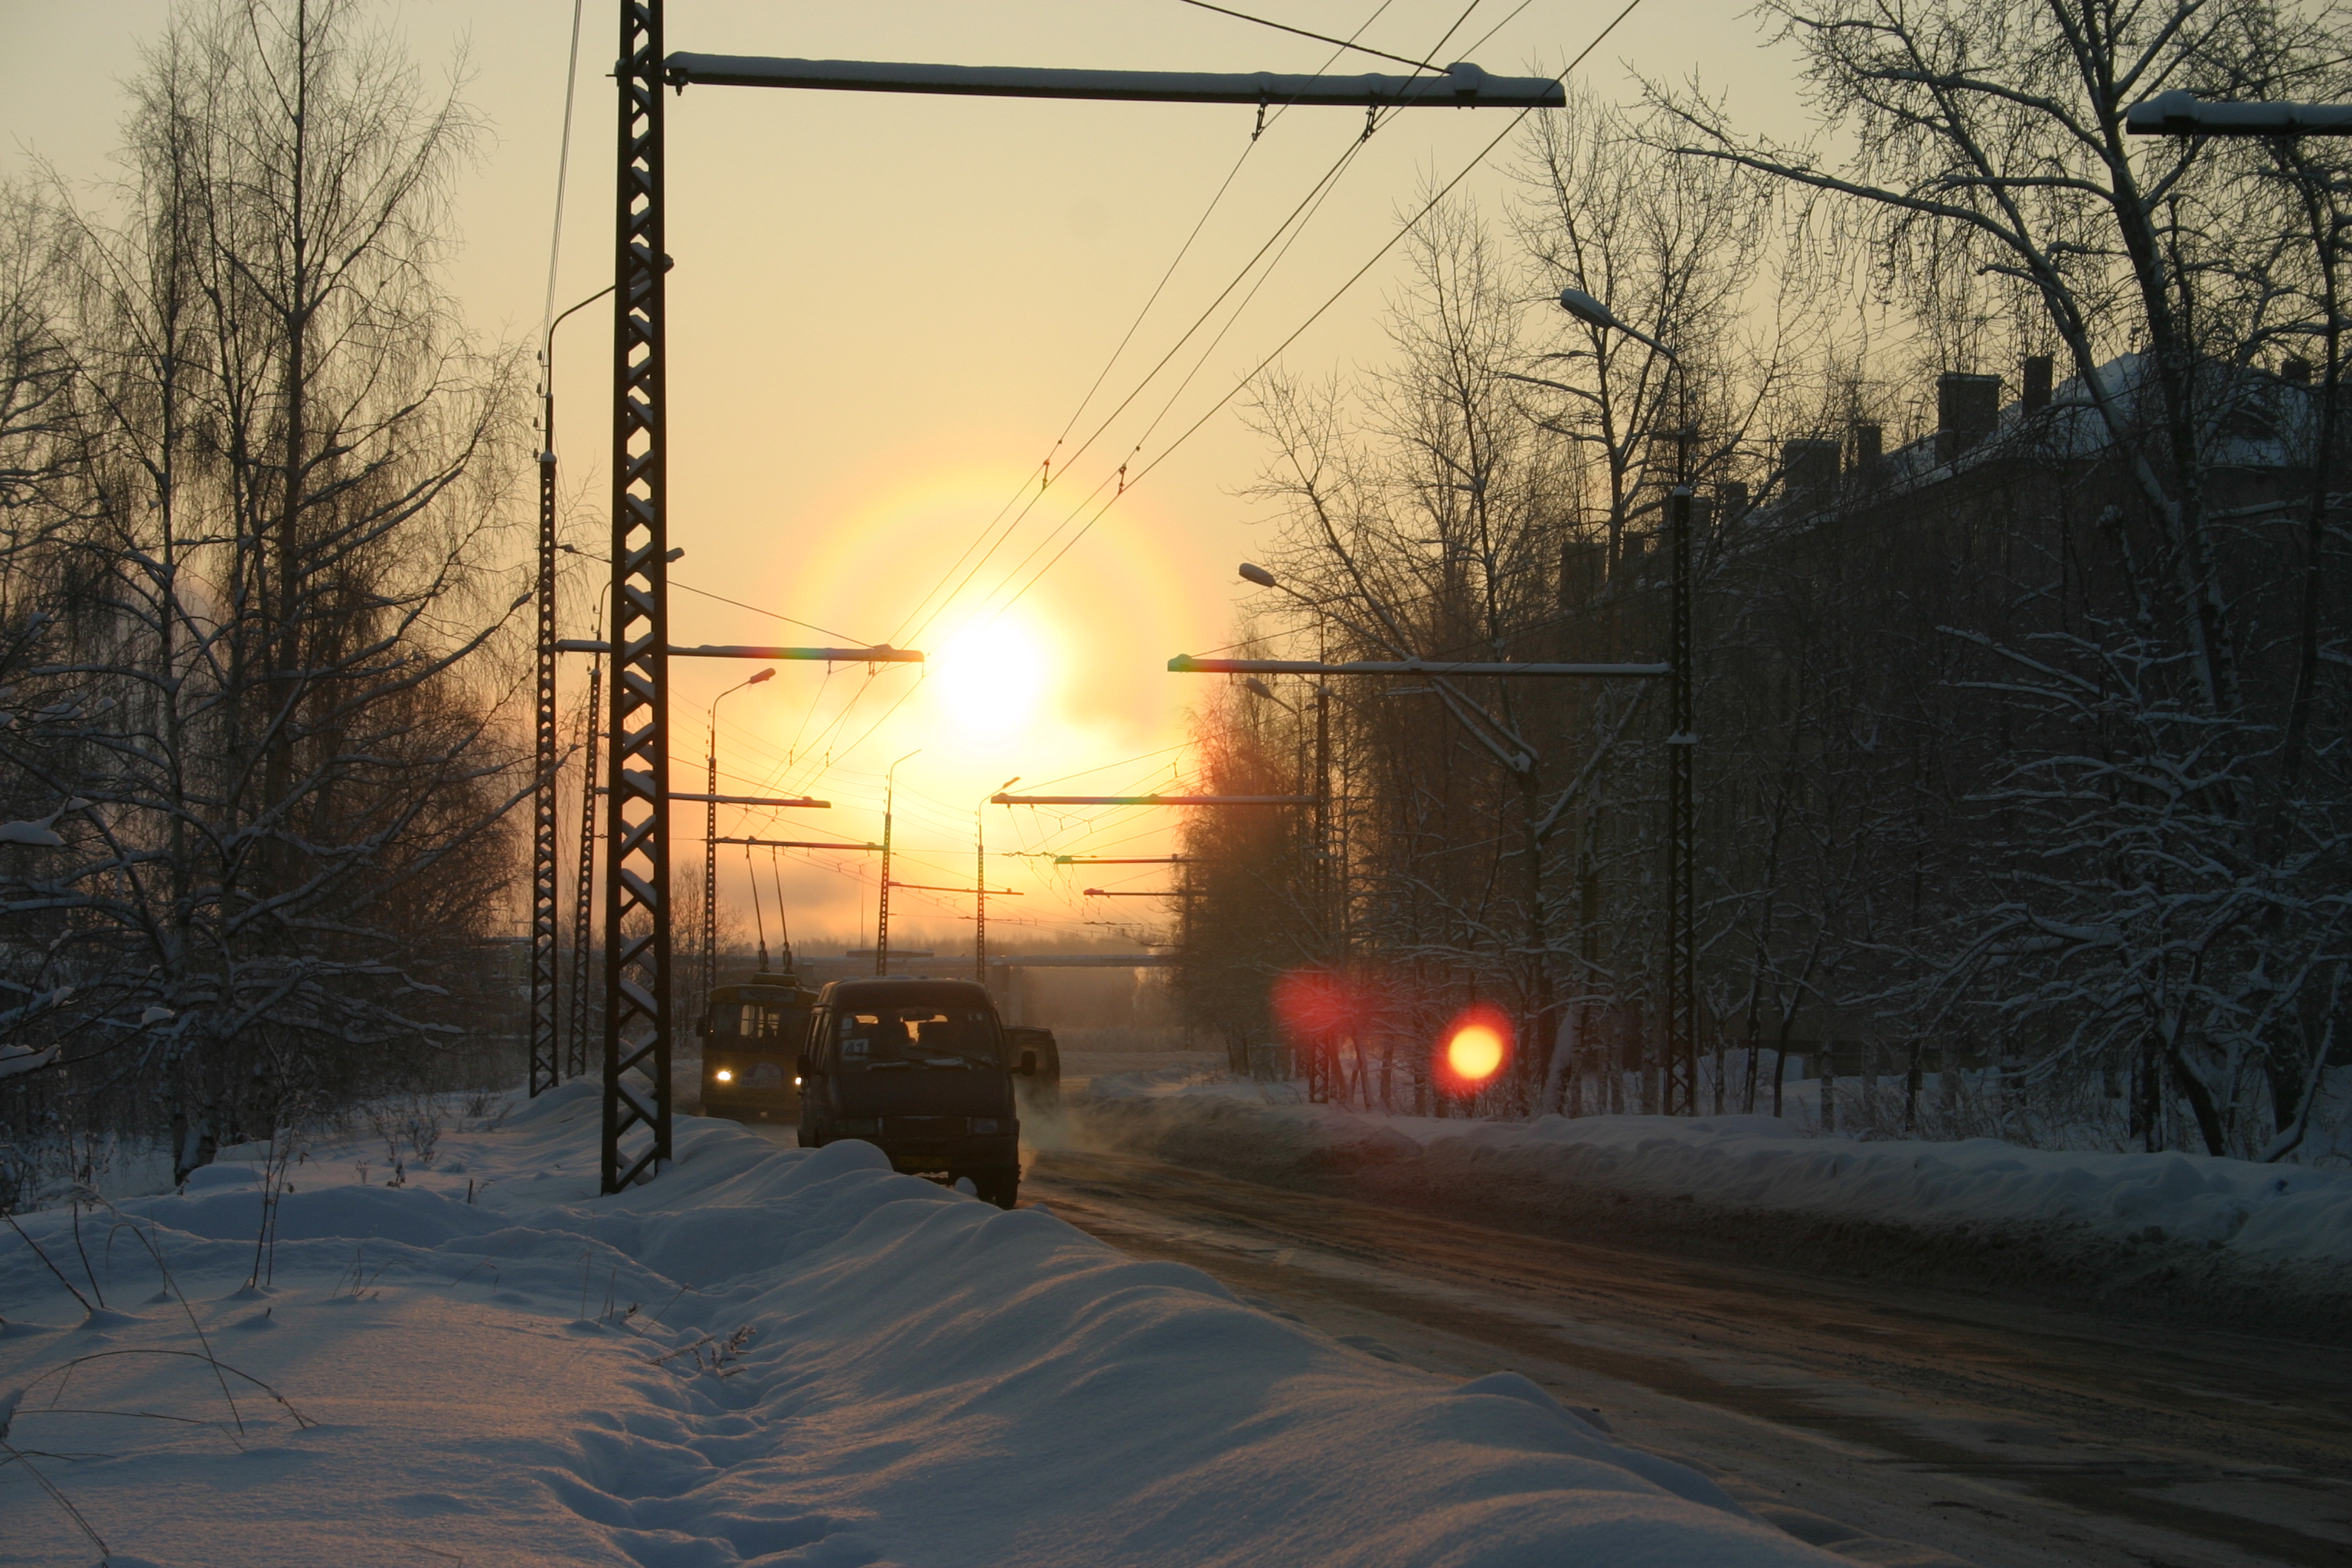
x=1474, y=1052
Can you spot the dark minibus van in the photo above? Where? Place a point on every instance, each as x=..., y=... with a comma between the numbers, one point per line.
x=920, y=1069
x=750, y=1034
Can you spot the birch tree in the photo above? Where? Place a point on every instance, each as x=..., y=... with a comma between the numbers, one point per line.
x=286, y=592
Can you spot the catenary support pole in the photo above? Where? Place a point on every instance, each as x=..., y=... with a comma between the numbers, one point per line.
x=882, y=905
x=545, y=1065
x=637, y=844
x=710, y=870
x=583, y=898
x=1322, y=792
x=1682, y=988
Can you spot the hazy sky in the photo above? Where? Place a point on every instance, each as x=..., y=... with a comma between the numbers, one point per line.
x=887, y=310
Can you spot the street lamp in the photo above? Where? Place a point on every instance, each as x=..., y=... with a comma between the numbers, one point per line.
x=882, y=905
x=710, y=842
x=1682, y=831
x=1592, y=312
x=979, y=885
x=544, y=1066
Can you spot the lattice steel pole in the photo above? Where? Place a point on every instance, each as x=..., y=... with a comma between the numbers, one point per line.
x=637, y=830
x=1682, y=846
x=545, y=1064
x=583, y=894
x=710, y=872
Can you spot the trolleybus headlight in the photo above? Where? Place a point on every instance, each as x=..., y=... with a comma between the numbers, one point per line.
x=724, y=1076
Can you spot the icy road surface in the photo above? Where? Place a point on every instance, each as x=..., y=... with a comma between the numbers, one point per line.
x=1892, y=1425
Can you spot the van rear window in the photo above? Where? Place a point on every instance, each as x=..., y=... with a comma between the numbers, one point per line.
x=918, y=1036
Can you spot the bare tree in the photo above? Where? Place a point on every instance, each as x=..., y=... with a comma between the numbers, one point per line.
x=2165, y=907
x=287, y=591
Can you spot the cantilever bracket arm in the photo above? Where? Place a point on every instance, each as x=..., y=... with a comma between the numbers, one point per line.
x=797, y=802
x=2182, y=113
x=1185, y=663
x=1464, y=84
x=1152, y=800
x=881, y=653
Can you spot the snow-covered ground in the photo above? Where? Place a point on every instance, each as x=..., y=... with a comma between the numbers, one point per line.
x=765, y=1356
x=1754, y=1163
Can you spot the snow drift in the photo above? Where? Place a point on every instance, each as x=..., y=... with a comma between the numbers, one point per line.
x=1761, y=1163
x=767, y=1356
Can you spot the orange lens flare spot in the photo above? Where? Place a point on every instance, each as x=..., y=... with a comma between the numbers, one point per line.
x=1474, y=1053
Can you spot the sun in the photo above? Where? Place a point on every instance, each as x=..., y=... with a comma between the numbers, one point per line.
x=992, y=678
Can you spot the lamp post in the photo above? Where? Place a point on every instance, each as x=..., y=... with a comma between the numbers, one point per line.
x=711, y=840
x=1320, y=878
x=882, y=905
x=979, y=883
x=546, y=1066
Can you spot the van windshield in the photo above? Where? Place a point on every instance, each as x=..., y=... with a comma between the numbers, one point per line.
x=900, y=1039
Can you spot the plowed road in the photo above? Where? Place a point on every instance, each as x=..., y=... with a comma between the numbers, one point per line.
x=1891, y=1426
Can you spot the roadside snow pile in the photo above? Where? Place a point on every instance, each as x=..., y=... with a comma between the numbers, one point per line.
x=2288, y=1212
x=1752, y=1164
x=766, y=1356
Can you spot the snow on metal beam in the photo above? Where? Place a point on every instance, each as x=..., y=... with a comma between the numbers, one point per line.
x=1185, y=663
x=2182, y=113
x=882, y=653
x=794, y=843
x=1152, y=800
x=1464, y=84
x=797, y=802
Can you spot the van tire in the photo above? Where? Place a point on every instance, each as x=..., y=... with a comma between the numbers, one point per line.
x=1001, y=1188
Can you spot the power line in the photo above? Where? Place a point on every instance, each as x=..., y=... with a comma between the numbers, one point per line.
x=1318, y=37
x=1308, y=204
x=1352, y=280
x=1286, y=234
x=1046, y=480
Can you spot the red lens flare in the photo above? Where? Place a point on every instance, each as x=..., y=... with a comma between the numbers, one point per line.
x=1314, y=1006
x=1475, y=1047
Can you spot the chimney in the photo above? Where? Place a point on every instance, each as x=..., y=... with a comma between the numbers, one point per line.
x=1868, y=440
x=1809, y=468
x=1968, y=409
x=2295, y=372
x=2037, y=383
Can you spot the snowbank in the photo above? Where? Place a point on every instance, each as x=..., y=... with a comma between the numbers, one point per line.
x=767, y=1356
x=1757, y=1163
x=2174, y=1236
